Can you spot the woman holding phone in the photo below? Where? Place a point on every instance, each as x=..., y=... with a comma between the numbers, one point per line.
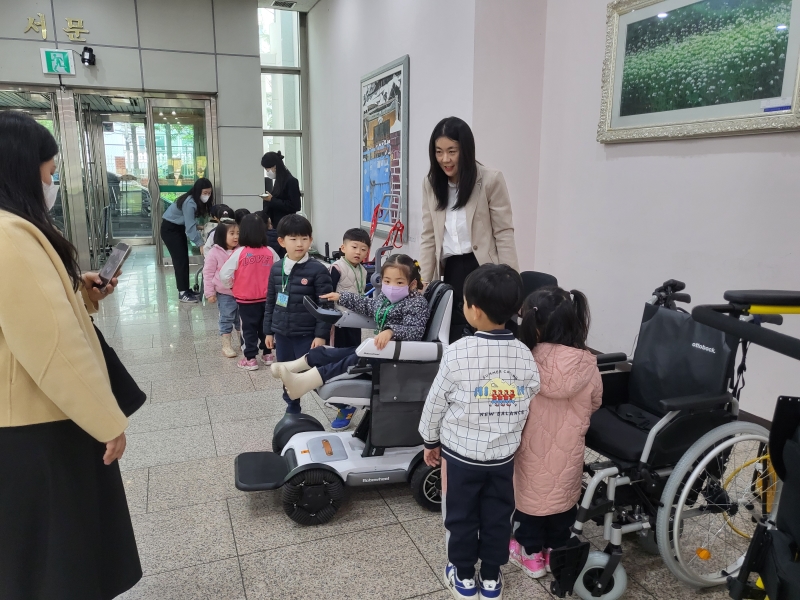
x=284, y=199
x=466, y=215
x=180, y=223
x=65, y=529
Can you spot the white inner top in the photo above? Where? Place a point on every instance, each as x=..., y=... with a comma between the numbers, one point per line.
x=457, y=236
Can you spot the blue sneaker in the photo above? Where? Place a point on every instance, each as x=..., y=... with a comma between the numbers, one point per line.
x=491, y=589
x=343, y=418
x=460, y=588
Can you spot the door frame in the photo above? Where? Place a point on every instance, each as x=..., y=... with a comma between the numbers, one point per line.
x=209, y=105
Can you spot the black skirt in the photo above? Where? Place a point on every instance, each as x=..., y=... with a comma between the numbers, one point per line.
x=65, y=529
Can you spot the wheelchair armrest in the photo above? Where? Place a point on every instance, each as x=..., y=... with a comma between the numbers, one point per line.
x=695, y=402
x=612, y=358
x=402, y=351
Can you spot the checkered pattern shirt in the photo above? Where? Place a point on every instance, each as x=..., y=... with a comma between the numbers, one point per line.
x=478, y=403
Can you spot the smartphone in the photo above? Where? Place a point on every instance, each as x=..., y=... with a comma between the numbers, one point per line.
x=114, y=263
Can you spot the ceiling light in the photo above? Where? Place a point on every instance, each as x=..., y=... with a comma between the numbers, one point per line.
x=782, y=27
x=160, y=114
x=663, y=15
x=173, y=112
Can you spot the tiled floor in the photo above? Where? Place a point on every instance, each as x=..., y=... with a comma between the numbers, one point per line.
x=200, y=538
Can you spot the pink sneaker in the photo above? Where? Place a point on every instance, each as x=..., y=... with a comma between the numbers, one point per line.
x=248, y=365
x=267, y=359
x=532, y=566
x=546, y=553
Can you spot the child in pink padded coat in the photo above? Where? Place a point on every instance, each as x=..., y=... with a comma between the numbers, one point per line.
x=549, y=462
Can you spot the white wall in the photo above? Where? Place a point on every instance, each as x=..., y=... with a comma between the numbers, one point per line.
x=347, y=40
x=615, y=221
x=507, y=112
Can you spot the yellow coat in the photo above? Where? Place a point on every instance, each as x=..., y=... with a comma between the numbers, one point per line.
x=51, y=364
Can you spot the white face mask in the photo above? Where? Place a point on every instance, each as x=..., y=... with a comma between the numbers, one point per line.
x=50, y=193
x=271, y=174
x=204, y=197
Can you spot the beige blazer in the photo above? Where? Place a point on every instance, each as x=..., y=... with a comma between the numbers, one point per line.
x=490, y=219
x=51, y=365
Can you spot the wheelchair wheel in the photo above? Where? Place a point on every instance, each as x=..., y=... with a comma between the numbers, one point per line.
x=712, y=502
x=313, y=496
x=426, y=487
x=591, y=573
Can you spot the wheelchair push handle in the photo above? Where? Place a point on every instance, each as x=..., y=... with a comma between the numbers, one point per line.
x=725, y=317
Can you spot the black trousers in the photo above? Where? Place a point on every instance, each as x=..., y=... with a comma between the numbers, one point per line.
x=536, y=533
x=174, y=238
x=478, y=507
x=252, y=316
x=456, y=270
x=291, y=348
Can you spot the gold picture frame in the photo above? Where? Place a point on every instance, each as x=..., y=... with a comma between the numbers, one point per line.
x=748, y=115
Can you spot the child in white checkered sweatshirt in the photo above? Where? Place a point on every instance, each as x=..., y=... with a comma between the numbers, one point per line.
x=472, y=423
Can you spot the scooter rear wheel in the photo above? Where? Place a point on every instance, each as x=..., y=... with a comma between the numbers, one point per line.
x=313, y=496
x=426, y=487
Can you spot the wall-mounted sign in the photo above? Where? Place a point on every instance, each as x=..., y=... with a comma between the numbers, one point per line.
x=57, y=62
x=75, y=30
x=38, y=25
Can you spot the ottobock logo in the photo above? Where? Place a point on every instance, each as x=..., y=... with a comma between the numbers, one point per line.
x=374, y=479
x=704, y=348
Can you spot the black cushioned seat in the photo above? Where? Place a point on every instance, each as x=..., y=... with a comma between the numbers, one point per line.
x=766, y=297
x=612, y=437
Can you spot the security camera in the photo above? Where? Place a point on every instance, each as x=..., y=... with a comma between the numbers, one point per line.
x=87, y=56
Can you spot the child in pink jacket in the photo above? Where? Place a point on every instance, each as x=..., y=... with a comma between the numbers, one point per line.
x=548, y=465
x=226, y=239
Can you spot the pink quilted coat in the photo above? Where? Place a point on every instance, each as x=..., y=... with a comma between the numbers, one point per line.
x=549, y=461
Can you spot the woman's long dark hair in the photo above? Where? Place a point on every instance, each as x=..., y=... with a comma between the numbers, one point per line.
x=282, y=174
x=197, y=189
x=555, y=316
x=458, y=131
x=24, y=146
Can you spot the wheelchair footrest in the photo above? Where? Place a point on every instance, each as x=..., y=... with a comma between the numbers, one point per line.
x=567, y=563
x=258, y=471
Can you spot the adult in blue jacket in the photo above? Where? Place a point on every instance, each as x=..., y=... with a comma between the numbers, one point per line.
x=179, y=225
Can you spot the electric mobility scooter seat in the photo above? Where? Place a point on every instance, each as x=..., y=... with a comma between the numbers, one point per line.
x=312, y=465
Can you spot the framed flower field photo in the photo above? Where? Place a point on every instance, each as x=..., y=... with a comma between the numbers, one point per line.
x=698, y=68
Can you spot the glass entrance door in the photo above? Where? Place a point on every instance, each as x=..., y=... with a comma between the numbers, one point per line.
x=182, y=151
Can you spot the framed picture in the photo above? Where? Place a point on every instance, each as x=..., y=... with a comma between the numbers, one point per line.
x=384, y=146
x=699, y=68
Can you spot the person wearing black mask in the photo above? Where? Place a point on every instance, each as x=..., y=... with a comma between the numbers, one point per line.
x=284, y=198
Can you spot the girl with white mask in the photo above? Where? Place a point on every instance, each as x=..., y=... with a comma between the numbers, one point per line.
x=282, y=195
x=179, y=225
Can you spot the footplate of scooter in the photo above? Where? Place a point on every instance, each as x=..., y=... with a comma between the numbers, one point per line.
x=566, y=564
x=257, y=471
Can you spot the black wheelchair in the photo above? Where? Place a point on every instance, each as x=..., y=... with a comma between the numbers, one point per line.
x=774, y=551
x=672, y=462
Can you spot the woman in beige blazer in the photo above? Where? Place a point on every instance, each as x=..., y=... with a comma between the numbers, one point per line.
x=65, y=529
x=466, y=215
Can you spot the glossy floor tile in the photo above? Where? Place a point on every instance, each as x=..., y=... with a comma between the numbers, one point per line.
x=201, y=538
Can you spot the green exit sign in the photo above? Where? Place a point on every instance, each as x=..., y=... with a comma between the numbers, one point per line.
x=57, y=62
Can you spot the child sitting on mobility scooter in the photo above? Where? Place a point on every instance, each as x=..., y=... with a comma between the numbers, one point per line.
x=400, y=311
x=472, y=423
x=549, y=462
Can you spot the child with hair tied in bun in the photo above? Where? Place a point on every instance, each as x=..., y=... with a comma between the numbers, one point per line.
x=400, y=311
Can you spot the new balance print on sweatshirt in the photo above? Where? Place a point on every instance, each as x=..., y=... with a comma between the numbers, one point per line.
x=478, y=403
